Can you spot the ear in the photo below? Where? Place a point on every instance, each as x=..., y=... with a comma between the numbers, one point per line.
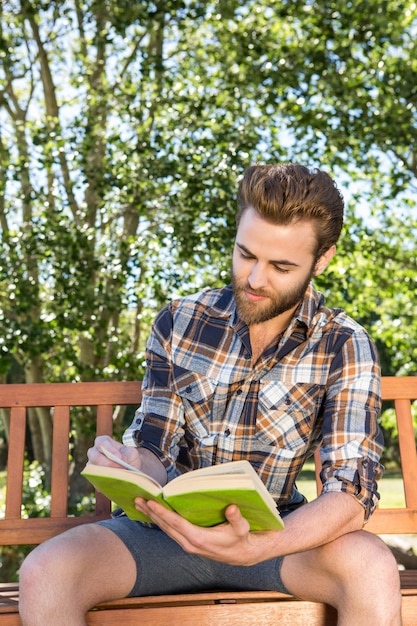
x=324, y=261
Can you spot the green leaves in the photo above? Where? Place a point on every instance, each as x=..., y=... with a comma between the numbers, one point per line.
x=125, y=128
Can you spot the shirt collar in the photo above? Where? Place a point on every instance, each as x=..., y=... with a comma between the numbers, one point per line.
x=313, y=300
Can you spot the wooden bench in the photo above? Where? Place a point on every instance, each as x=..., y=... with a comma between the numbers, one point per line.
x=220, y=608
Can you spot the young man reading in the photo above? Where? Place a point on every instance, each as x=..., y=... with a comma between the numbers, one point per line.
x=259, y=370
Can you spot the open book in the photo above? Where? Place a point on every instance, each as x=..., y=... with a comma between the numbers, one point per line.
x=200, y=496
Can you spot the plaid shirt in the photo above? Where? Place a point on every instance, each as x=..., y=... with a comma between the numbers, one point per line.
x=205, y=403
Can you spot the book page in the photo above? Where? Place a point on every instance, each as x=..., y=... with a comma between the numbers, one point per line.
x=235, y=470
x=223, y=469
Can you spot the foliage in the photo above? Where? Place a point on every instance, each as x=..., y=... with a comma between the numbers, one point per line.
x=124, y=128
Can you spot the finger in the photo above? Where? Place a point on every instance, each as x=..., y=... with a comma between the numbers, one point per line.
x=95, y=455
x=130, y=454
x=178, y=528
x=161, y=515
x=239, y=525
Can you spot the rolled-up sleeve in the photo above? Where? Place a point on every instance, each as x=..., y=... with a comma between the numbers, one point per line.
x=352, y=441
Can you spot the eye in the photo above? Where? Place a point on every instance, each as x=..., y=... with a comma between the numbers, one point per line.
x=245, y=255
x=281, y=270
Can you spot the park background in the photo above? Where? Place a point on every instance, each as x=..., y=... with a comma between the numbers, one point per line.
x=124, y=129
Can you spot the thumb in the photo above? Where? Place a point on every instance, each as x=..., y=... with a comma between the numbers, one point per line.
x=236, y=519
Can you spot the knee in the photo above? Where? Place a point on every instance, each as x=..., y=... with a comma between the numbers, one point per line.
x=374, y=559
x=368, y=562
x=384, y=570
x=35, y=570
x=31, y=570
x=32, y=583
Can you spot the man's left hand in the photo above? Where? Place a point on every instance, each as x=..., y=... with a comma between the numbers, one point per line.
x=230, y=542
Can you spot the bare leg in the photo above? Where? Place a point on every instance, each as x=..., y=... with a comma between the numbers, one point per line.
x=67, y=575
x=356, y=574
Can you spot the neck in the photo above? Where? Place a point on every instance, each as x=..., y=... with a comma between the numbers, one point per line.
x=275, y=325
x=264, y=334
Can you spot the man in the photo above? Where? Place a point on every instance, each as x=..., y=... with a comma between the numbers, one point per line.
x=264, y=371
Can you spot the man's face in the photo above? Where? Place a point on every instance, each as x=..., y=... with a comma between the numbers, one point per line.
x=272, y=266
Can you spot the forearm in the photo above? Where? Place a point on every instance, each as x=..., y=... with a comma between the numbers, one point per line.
x=321, y=521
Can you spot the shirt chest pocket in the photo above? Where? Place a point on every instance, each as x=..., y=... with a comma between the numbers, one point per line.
x=287, y=413
x=196, y=393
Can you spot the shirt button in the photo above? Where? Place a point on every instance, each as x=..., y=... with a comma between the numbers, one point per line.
x=287, y=401
x=227, y=432
x=188, y=389
x=238, y=392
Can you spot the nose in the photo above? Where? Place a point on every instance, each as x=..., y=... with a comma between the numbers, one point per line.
x=257, y=277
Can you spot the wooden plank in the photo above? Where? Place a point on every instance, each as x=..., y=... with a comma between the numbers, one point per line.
x=60, y=462
x=227, y=608
x=10, y=620
x=71, y=394
x=317, y=470
x=129, y=617
x=294, y=613
x=408, y=580
x=104, y=419
x=393, y=521
x=38, y=529
x=104, y=427
x=15, y=462
x=204, y=597
x=401, y=387
x=408, y=452
x=9, y=597
x=409, y=610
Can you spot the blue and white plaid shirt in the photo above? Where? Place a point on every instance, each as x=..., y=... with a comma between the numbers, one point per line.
x=204, y=402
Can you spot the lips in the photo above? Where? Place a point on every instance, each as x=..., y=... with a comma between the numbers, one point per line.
x=255, y=297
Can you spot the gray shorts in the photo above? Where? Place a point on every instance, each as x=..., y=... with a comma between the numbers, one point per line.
x=164, y=568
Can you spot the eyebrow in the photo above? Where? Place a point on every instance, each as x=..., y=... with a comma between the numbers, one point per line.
x=272, y=261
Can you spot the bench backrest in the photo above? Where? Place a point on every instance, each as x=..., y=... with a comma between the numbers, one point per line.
x=61, y=396
x=403, y=390
x=107, y=395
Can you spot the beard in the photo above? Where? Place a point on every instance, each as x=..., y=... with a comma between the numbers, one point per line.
x=277, y=303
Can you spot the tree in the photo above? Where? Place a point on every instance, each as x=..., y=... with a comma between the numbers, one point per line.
x=124, y=129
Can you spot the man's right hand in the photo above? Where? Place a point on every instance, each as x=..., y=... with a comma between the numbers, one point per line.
x=141, y=458
x=129, y=454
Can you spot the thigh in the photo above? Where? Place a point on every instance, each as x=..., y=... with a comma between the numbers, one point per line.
x=163, y=567
x=88, y=563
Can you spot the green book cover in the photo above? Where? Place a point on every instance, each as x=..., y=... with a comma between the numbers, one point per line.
x=200, y=496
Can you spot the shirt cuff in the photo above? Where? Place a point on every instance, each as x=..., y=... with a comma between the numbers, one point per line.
x=357, y=478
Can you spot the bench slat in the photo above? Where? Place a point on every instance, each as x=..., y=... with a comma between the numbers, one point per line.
x=248, y=614
x=38, y=529
x=393, y=521
x=71, y=394
x=399, y=387
x=60, y=462
x=408, y=451
x=15, y=465
x=259, y=607
x=104, y=427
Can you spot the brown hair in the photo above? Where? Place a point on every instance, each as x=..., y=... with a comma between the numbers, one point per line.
x=287, y=193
